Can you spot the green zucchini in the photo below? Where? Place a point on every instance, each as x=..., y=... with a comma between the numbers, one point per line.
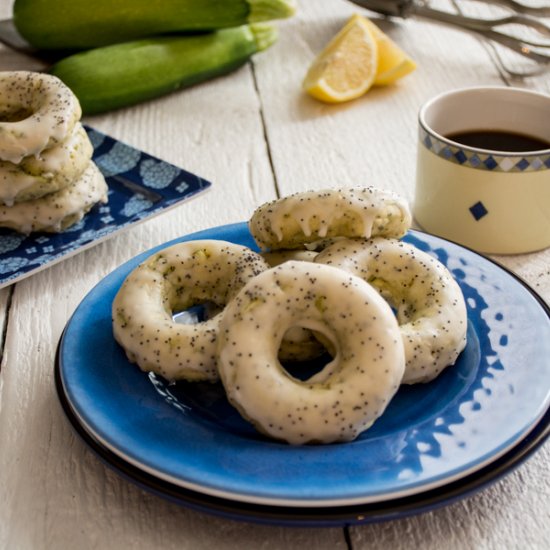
x=120, y=75
x=84, y=24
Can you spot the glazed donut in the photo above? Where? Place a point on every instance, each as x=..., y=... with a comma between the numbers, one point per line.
x=175, y=279
x=50, y=171
x=307, y=218
x=430, y=306
x=37, y=111
x=344, y=398
x=56, y=212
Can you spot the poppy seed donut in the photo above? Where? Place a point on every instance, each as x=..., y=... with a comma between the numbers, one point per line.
x=57, y=211
x=430, y=306
x=340, y=401
x=37, y=111
x=175, y=279
x=306, y=218
x=50, y=171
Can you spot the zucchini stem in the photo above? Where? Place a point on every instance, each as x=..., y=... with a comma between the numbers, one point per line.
x=264, y=34
x=266, y=10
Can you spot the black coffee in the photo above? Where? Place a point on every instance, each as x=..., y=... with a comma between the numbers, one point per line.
x=497, y=140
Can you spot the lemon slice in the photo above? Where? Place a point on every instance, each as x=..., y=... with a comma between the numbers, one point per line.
x=347, y=66
x=393, y=62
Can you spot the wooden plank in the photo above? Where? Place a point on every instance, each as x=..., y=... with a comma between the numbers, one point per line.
x=369, y=141
x=54, y=493
x=372, y=141
x=510, y=514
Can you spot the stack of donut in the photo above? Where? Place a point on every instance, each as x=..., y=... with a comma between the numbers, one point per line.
x=47, y=178
x=339, y=299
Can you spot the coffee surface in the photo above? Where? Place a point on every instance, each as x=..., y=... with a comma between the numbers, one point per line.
x=497, y=140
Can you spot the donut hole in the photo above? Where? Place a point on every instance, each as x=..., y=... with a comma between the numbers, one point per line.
x=195, y=314
x=306, y=370
x=314, y=352
x=14, y=113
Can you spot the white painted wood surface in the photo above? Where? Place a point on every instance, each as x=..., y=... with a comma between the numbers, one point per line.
x=256, y=136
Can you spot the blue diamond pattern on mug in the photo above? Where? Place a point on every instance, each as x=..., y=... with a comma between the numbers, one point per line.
x=474, y=159
x=461, y=157
x=490, y=163
x=536, y=164
x=446, y=152
x=140, y=186
x=478, y=210
x=522, y=165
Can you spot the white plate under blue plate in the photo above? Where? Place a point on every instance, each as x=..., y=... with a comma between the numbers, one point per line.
x=140, y=187
x=430, y=435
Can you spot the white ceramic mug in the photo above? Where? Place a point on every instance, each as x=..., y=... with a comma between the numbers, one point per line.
x=489, y=200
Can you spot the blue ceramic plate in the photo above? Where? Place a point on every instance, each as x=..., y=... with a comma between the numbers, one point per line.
x=313, y=516
x=140, y=186
x=430, y=436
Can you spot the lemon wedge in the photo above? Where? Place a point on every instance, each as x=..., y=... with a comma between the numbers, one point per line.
x=347, y=66
x=393, y=62
x=358, y=57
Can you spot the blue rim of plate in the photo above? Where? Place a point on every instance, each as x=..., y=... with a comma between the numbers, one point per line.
x=141, y=186
x=430, y=436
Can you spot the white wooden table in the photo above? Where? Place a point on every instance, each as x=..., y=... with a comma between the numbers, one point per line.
x=256, y=137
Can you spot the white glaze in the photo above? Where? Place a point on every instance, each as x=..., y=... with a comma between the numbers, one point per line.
x=308, y=217
x=173, y=280
x=350, y=392
x=50, y=171
x=50, y=109
x=56, y=211
x=429, y=303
